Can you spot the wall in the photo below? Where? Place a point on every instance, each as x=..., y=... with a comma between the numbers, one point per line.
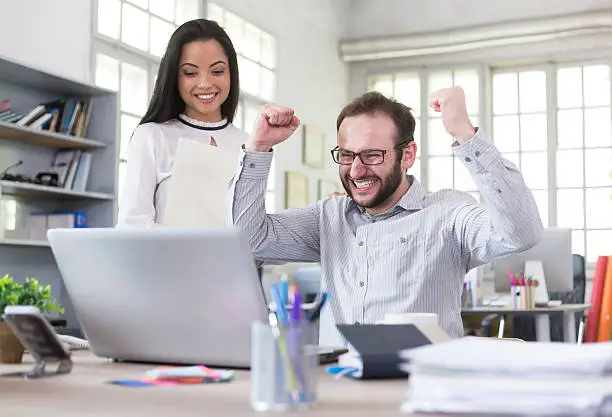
x=369, y=18
x=53, y=36
x=440, y=16
x=311, y=78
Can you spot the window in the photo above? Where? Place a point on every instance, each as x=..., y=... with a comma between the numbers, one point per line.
x=442, y=170
x=405, y=88
x=584, y=157
x=143, y=25
x=256, y=50
x=520, y=128
x=552, y=122
x=246, y=115
x=130, y=38
x=133, y=77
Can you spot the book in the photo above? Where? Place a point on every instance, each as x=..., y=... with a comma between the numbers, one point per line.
x=596, y=296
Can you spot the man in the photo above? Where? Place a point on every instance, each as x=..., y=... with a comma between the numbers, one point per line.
x=388, y=246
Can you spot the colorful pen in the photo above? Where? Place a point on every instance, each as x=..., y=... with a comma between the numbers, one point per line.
x=296, y=308
x=281, y=311
x=284, y=289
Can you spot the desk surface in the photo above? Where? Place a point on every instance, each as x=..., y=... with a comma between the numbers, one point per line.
x=85, y=392
x=563, y=308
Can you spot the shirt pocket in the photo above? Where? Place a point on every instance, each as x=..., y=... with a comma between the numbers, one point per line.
x=396, y=258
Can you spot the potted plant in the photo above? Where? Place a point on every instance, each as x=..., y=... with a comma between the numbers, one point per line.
x=31, y=292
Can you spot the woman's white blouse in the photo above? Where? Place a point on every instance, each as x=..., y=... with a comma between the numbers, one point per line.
x=150, y=159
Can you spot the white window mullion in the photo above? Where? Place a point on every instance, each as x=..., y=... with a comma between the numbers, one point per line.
x=120, y=22
x=551, y=142
x=484, y=102
x=424, y=79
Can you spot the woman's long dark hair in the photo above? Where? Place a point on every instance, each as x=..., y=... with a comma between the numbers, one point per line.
x=166, y=102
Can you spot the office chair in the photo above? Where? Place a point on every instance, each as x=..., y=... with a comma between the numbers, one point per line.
x=524, y=326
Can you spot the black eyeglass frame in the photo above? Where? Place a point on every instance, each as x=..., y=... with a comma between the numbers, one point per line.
x=336, y=151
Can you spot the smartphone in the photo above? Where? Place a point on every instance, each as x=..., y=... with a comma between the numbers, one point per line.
x=35, y=332
x=329, y=354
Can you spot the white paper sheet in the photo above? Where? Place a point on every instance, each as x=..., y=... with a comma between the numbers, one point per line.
x=489, y=355
x=199, y=185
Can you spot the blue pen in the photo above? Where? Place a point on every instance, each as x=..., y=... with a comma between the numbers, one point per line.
x=284, y=289
x=284, y=340
x=295, y=335
x=281, y=312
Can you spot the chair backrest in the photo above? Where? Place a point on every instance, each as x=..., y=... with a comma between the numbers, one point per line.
x=579, y=272
x=308, y=280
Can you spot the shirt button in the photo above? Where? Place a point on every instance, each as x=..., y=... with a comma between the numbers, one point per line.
x=240, y=163
x=477, y=153
x=251, y=165
x=467, y=159
x=499, y=190
x=403, y=240
x=361, y=283
x=357, y=323
x=360, y=243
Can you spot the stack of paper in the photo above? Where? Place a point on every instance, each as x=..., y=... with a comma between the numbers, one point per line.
x=483, y=375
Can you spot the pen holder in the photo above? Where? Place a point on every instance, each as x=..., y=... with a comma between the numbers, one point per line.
x=283, y=368
x=523, y=297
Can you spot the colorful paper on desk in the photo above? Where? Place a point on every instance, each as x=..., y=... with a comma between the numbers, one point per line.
x=199, y=184
x=177, y=375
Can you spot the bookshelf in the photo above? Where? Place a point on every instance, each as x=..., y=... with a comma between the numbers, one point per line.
x=12, y=132
x=20, y=189
x=25, y=87
x=24, y=242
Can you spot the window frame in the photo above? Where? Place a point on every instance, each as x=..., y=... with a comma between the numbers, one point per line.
x=424, y=117
x=125, y=53
x=486, y=70
x=256, y=100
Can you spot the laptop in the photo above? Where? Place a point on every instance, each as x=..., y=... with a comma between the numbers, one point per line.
x=164, y=295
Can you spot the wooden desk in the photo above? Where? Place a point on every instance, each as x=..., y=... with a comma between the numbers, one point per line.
x=85, y=392
x=542, y=318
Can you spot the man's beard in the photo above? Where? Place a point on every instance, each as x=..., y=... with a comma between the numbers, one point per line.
x=388, y=186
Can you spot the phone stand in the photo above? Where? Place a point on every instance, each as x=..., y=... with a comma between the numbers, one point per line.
x=39, y=370
x=40, y=340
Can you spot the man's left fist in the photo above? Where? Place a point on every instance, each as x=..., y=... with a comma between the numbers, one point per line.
x=450, y=102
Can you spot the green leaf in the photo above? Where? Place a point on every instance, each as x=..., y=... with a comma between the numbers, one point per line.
x=31, y=292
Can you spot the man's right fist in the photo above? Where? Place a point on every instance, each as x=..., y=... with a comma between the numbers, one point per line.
x=274, y=124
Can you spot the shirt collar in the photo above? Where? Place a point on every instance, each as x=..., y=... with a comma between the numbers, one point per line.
x=411, y=200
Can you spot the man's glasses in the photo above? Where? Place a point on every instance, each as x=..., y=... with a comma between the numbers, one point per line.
x=368, y=157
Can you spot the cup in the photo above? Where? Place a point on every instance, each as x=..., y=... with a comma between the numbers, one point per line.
x=312, y=331
x=409, y=318
x=523, y=297
x=283, y=368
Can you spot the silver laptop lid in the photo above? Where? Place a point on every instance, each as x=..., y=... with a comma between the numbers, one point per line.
x=161, y=294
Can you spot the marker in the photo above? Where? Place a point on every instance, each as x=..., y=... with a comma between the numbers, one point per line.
x=296, y=308
x=284, y=289
x=280, y=307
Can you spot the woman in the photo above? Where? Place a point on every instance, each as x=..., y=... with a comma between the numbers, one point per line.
x=195, y=97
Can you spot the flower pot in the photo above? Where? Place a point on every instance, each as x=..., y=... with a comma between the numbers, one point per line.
x=11, y=349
